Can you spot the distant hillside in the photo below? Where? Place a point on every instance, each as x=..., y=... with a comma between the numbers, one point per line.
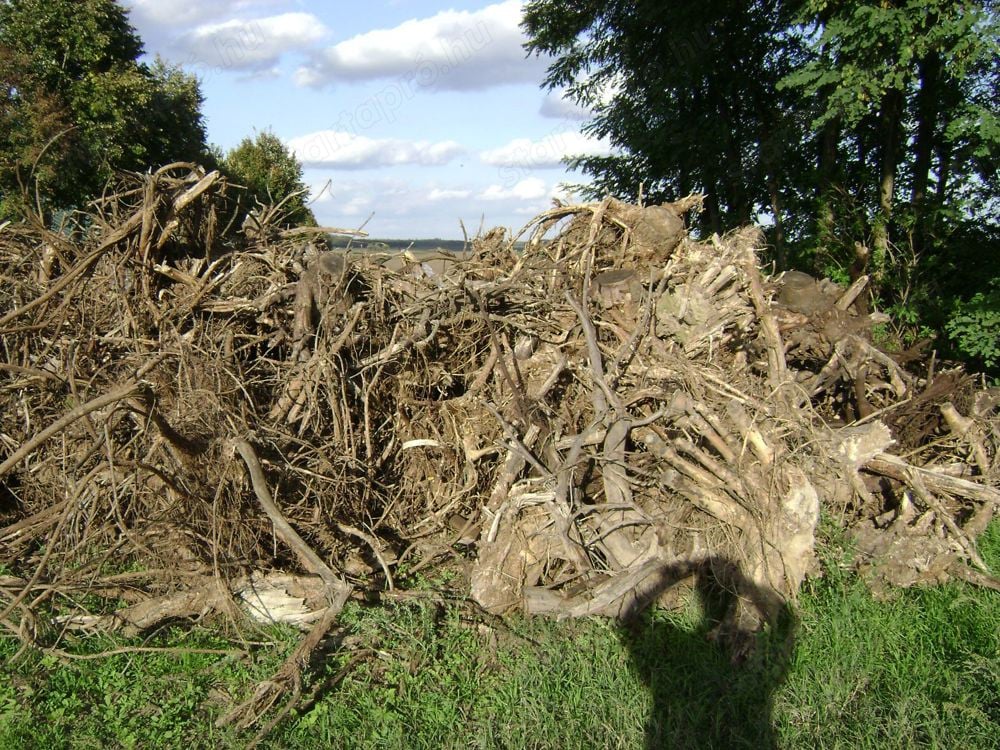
x=377, y=245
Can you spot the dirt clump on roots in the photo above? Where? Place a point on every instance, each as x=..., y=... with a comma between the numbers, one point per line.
x=199, y=417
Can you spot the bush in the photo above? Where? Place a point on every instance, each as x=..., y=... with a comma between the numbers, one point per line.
x=974, y=326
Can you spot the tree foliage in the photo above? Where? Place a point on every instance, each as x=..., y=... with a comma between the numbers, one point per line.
x=866, y=133
x=687, y=92
x=271, y=174
x=76, y=103
x=911, y=88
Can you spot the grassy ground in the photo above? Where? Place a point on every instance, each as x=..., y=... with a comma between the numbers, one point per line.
x=921, y=670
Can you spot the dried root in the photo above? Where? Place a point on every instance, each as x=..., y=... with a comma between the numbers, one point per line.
x=609, y=407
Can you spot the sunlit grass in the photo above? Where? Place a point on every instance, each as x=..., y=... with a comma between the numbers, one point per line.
x=919, y=670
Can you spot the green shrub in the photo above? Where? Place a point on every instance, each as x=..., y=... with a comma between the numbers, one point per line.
x=974, y=326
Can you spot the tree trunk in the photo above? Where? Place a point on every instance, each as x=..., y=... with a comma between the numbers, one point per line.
x=829, y=137
x=944, y=172
x=711, y=216
x=737, y=204
x=781, y=255
x=927, y=114
x=892, y=106
x=950, y=98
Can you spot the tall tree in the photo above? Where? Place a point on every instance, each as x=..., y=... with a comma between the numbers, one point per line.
x=686, y=91
x=882, y=96
x=903, y=81
x=76, y=103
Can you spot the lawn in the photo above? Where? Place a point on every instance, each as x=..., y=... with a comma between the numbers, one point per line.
x=919, y=670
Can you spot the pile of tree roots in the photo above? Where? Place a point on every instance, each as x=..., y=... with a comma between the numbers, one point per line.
x=199, y=417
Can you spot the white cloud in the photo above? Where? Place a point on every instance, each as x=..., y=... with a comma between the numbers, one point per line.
x=454, y=50
x=320, y=190
x=355, y=206
x=444, y=194
x=176, y=12
x=547, y=152
x=402, y=207
x=556, y=106
x=341, y=150
x=530, y=188
x=560, y=192
x=146, y=14
x=529, y=210
x=398, y=205
x=251, y=44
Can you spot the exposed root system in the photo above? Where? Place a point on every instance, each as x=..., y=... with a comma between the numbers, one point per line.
x=203, y=419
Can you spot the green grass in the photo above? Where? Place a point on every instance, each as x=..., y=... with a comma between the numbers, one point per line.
x=919, y=670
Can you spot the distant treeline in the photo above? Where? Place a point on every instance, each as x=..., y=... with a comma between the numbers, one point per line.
x=376, y=245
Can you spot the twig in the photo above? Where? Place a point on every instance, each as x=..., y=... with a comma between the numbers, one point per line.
x=600, y=393
x=518, y=445
x=777, y=369
x=289, y=675
x=119, y=394
x=897, y=468
x=375, y=548
x=934, y=504
x=78, y=270
x=37, y=573
x=628, y=350
x=338, y=589
x=391, y=351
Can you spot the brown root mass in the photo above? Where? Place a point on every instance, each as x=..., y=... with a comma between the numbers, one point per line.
x=592, y=416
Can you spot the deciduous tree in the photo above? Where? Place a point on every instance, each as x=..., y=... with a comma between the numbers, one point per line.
x=271, y=174
x=686, y=91
x=911, y=87
x=77, y=103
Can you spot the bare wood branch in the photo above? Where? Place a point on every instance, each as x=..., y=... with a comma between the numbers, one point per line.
x=375, y=547
x=936, y=481
x=119, y=394
x=855, y=289
x=339, y=589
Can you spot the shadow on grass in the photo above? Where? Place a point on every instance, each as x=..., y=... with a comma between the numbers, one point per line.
x=713, y=680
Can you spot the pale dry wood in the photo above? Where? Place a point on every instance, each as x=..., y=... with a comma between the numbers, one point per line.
x=967, y=430
x=852, y=293
x=288, y=678
x=616, y=596
x=376, y=549
x=935, y=481
x=306, y=231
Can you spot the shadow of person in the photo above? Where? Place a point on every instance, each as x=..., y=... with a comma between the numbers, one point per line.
x=712, y=681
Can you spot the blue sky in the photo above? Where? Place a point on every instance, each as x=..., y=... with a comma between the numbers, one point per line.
x=423, y=113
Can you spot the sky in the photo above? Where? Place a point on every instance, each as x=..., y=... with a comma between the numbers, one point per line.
x=419, y=114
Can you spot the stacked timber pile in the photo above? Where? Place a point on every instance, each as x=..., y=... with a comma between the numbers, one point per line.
x=195, y=416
